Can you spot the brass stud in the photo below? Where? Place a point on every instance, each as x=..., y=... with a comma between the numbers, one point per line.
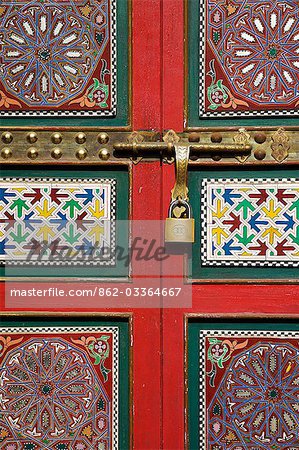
x=32, y=153
x=81, y=153
x=56, y=153
x=32, y=137
x=260, y=138
x=56, y=138
x=216, y=137
x=81, y=138
x=104, y=154
x=260, y=154
x=103, y=138
x=6, y=153
x=194, y=137
x=7, y=137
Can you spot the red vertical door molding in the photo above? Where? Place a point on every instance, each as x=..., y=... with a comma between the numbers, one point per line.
x=172, y=322
x=146, y=325
x=147, y=101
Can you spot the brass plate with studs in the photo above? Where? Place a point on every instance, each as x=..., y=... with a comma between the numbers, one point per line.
x=270, y=146
x=64, y=146
x=233, y=146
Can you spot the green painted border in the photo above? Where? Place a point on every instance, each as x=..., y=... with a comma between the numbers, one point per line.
x=123, y=67
x=124, y=360
x=194, y=327
x=226, y=273
x=122, y=229
x=193, y=83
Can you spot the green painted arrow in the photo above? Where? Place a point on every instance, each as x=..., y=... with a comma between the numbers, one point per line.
x=245, y=205
x=295, y=205
x=245, y=239
x=20, y=205
x=71, y=237
x=19, y=237
x=295, y=238
x=72, y=205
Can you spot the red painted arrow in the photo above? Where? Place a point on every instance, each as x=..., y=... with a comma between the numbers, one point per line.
x=9, y=217
x=235, y=223
x=81, y=222
x=262, y=248
x=9, y=221
x=35, y=197
x=81, y=216
x=281, y=248
x=281, y=196
x=261, y=196
x=55, y=196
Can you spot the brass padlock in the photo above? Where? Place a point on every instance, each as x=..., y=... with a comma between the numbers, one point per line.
x=179, y=229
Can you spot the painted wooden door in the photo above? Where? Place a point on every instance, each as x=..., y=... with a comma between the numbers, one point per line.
x=77, y=77
x=241, y=85
x=74, y=75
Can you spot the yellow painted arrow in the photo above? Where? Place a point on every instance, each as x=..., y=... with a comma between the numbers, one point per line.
x=97, y=232
x=45, y=212
x=45, y=231
x=271, y=212
x=97, y=211
x=219, y=212
x=272, y=232
x=219, y=233
x=19, y=189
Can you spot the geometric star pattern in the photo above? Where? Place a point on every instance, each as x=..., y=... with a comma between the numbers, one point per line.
x=58, y=57
x=59, y=388
x=251, y=390
x=250, y=222
x=249, y=57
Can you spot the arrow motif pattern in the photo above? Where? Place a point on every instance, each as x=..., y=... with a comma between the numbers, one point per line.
x=73, y=218
x=250, y=222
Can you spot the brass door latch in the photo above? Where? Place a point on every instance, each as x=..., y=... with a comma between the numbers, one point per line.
x=179, y=225
x=94, y=146
x=167, y=149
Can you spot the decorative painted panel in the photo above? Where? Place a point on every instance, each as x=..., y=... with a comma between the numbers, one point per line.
x=250, y=397
x=250, y=222
x=75, y=217
x=64, y=383
x=243, y=379
x=248, y=57
x=59, y=388
x=58, y=57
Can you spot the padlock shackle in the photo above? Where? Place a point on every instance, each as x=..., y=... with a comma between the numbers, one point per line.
x=179, y=202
